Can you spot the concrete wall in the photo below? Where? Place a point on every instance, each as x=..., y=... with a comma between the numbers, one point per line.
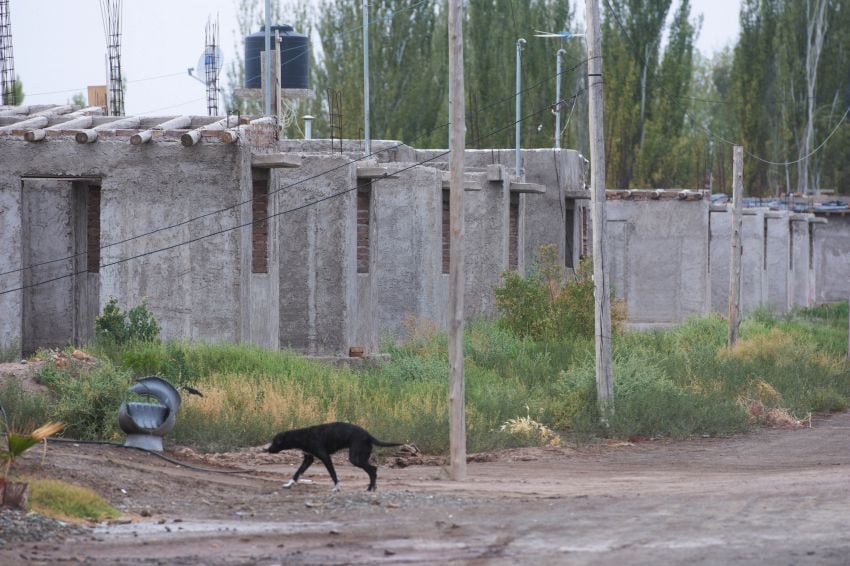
x=406, y=251
x=486, y=221
x=318, y=290
x=11, y=259
x=754, y=276
x=778, y=260
x=47, y=218
x=801, y=279
x=657, y=252
x=833, y=258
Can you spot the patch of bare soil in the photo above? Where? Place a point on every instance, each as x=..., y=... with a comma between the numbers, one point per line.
x=776, y=496
x=23, y=372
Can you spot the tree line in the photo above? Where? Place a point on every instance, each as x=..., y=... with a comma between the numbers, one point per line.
x=671, y=113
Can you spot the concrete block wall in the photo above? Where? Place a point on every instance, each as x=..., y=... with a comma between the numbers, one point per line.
x=832, y=260
x=486, y=226
x=260, y=292
x=801, y=279
x=657, y=252
x=405, y=280
x=193, y=289
x=49, y=233
x=11, y=258
x=754, y=276
x=317, y=255
x=778, y=260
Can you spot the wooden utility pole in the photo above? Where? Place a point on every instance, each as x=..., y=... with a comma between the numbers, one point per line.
x=735, y=260
x=457, y=145
x=601, y=293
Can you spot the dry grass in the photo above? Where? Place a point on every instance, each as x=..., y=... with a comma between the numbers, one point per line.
x=526, y=427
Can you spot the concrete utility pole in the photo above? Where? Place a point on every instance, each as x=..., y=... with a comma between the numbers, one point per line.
x=735, y=260
x=366, y=133
x=601, y=293
x=457, y=145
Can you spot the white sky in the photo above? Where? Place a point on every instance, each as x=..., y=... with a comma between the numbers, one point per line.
x=59, y=47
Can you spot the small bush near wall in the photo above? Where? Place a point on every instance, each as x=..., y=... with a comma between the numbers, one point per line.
x=546, y=305
x=86, y=398
x=114, y=326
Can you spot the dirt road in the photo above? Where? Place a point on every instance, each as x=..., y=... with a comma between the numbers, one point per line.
x=771, y=497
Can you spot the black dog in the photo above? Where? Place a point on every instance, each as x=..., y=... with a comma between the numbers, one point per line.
x=321, y=441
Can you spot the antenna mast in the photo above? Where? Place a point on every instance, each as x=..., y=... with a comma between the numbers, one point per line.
x=110, y=11
x=7, y=61
x=212, y=65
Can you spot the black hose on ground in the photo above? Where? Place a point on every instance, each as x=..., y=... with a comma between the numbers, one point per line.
x=157, y=454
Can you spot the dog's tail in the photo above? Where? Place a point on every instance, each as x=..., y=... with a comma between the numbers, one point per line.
x=377, y=442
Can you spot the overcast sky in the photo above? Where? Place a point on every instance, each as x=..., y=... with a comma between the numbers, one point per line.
x=59, y=47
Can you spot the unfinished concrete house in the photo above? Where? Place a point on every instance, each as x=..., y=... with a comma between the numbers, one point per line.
x=657, y=248
x=232, y=235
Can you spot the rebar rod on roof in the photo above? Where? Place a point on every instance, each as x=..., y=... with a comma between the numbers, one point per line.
x=110, y=11
x=212, y=65
x=8, y=96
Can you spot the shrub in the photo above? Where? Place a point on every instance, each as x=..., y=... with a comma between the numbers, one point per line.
x=546, y=305
x=525, y=305
x=114, y=326
x=111, y=325
x=86, y=400
x=647, y=402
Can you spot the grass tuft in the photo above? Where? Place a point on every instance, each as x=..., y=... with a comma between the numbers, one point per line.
x=68, y=502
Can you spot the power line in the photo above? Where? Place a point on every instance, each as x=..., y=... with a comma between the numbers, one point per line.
x=322, y=173
x=83, y=88
x=268, y=217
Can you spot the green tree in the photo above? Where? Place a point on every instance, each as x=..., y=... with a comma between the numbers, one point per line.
x=669, y=152
x=78, y=100
x=754, y=71
x=408, y=63
x=631, y=44
x=491, y=33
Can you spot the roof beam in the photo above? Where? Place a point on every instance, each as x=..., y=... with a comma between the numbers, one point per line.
x=90, y=135
x=178, y=123
x=72, y=124
x=192, y=137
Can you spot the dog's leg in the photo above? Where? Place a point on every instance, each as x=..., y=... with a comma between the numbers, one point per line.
x=359, y=456
x=308, y=459
x=326, y=460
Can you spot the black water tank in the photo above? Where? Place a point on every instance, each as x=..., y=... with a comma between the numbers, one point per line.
x=294, y=57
